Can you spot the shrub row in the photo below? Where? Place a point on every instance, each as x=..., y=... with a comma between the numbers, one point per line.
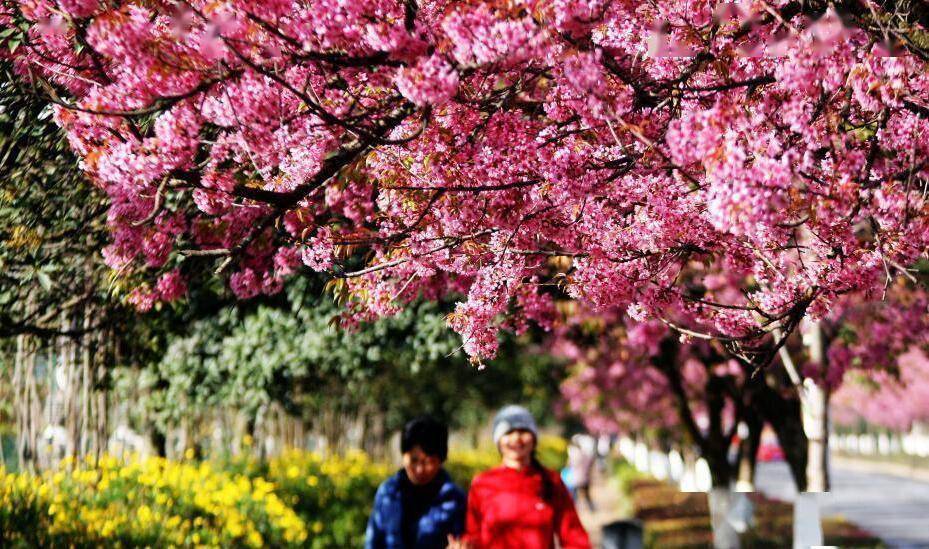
x=297, y=499
x=679, y=520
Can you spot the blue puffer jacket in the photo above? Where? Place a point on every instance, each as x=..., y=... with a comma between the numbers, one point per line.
x=444, y=516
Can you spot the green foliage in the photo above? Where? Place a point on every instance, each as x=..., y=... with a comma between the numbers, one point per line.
x=52, y=222
x=292, y=354
x=626, y=475
x=290, y=351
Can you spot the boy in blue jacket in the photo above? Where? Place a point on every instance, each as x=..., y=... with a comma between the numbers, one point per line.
x=419, y=507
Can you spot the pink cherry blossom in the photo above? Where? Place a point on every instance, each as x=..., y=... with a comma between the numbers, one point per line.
x=510, y=153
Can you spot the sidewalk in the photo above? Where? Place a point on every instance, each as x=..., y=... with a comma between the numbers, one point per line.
x=609, y=503
x=893, y=508
x=876, y=466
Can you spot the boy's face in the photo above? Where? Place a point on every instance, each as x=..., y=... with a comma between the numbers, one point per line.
x=420, y=467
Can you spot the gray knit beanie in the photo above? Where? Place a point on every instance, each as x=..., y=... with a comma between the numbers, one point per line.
x=511, y=418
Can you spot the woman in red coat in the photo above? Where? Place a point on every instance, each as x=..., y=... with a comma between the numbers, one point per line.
x=520, y=503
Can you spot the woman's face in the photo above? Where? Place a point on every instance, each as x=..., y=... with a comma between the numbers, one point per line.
x=420, y=467
x=517, y=445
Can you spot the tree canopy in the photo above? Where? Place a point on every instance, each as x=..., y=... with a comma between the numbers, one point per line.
x=417, y=147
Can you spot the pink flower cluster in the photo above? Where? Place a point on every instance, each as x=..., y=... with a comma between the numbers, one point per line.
x=502, y=151
x=431, y=81
x=894, y=400
x=615, y=387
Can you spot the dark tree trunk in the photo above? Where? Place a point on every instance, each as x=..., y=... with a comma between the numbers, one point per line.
x=159, y=442
x=717, y=442
x=783, y=414
x=748, y=452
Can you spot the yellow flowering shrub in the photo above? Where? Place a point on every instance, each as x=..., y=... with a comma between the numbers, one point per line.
x=463, y=464
x=299, y=498
x=552, y=451
x=333, y=494
x=24, y=503
x=152, y=502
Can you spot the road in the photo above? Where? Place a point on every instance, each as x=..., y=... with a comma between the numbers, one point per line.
x=894, y=508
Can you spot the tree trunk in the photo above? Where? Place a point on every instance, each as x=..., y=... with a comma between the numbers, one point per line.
x=101, y=408
x=714, y=445
x=808, y=529
x=716, y=453
x=783, y=414
x=84, y=409
x=724, y=535
x=159, y=442
x=21, y=404
x=34, y=416
x=377, y=432
x=815, y=406
x=748, y=453
x=814, y=400
x=27, y=407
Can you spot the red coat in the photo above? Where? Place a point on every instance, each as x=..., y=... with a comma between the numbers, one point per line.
x=506, y=510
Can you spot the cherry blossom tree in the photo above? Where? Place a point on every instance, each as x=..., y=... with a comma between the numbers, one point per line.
x=638, y=378
x=612, y=387
x=631, y=376
x=750, y=164
x=419, y=147
x=626, y=152
x=893, y=399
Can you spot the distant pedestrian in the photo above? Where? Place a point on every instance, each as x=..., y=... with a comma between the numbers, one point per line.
x=419, y=507
x=604, y=447
x=581, y=458
x=567, y=477
x=520, y=504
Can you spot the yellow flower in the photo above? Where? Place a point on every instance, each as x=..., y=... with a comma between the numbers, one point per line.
x=234, y=527
x=144, y=514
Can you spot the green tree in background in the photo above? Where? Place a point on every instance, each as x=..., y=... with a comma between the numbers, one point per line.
x=288, y=357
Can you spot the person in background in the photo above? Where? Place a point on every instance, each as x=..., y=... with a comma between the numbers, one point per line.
x=567, y=477
x=520, y=503
x=604, y=447
x=419, y=507
x=581, y=461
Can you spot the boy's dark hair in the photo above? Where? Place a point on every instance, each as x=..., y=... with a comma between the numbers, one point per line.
x=430, y=434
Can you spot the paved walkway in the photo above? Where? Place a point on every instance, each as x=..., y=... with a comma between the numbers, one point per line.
x=608, y=503
x=894, y=508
